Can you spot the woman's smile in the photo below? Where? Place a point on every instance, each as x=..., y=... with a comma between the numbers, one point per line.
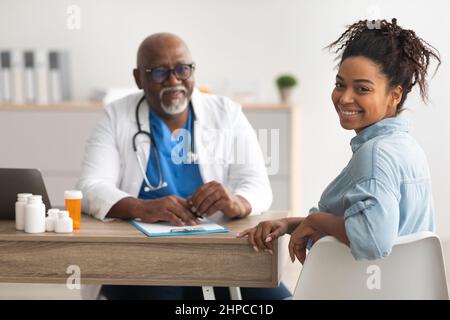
x=348, y=114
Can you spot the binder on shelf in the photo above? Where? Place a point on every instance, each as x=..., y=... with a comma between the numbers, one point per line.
x=29, y=77
x=17, y=77
x=55, y=89
x=1, y=81
x=5, y=77
x=59, y=77
x=42, y=76
x=65, y=75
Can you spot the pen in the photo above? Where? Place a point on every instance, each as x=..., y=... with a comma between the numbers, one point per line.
x=187, y=229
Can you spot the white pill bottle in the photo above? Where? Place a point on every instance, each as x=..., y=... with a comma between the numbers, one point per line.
x=64, y=223
x=22, y=199
x=35, y=215
x=50, y=221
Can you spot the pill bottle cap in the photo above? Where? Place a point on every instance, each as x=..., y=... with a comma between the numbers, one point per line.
x=53, y=213
x=35, y=199
x=23, y=196
x=73, y=194
x=63, y=214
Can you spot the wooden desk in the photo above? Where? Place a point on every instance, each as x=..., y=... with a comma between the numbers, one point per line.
x=117, y=253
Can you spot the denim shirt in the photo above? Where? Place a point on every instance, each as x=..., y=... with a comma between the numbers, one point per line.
x=383, y=192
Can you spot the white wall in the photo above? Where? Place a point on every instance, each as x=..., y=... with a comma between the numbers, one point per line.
x=245, y=44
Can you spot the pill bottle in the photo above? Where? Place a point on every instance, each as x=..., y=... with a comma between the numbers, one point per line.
x=73, y=205
x=64, y=223
x=52, y=215
x=20, y=210
x=35, y=215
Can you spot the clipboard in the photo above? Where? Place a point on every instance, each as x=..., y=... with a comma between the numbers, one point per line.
x=167, y=229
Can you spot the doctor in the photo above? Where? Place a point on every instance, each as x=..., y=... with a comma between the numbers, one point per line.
x=171, y=153
x=129, y=175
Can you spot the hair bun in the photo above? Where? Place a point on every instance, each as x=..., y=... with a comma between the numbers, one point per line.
x=394, y=21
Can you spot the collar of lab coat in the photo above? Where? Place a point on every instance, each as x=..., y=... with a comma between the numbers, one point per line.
x=196, y=101
x=197, y=105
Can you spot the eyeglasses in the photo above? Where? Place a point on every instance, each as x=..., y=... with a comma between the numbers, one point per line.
x=161, y=74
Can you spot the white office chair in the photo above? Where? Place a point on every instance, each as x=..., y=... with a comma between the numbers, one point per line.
x=413, y=270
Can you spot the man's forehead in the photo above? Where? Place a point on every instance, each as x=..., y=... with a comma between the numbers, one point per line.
x=168, y=56
x=163, y=50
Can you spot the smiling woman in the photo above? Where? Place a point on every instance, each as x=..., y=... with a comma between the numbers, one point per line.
x=385, y=190
x=379, y=66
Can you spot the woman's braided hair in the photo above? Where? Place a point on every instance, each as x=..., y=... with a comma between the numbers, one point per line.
x=402, y=56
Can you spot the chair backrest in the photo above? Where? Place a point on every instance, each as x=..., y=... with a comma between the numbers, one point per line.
x=414, y=270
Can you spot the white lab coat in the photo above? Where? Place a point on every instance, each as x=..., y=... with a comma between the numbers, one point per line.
x=110, y=170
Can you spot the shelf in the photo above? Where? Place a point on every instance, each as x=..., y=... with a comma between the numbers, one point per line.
x=63, y=106
x=93, y=106
x=265, y=107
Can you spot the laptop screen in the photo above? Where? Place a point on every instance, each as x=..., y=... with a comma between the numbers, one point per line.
x=14, y=181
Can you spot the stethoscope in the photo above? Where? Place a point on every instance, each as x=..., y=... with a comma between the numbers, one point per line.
x=191, y=155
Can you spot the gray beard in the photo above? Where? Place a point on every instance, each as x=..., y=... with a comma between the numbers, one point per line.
x=175, y=109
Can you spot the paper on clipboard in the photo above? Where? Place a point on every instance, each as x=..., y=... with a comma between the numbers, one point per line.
x=168, y=229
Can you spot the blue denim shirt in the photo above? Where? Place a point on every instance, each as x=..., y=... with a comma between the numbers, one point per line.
x=383, y=192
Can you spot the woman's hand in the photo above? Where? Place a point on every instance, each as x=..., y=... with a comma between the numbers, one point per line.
x=299, y=239
x=262, y=235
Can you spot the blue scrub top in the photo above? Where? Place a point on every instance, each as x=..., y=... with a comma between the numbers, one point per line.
x=183, y=179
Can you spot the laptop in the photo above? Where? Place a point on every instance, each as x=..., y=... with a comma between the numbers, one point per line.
x=14, y=181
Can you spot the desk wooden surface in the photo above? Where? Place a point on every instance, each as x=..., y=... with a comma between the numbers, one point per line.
x=117, y=253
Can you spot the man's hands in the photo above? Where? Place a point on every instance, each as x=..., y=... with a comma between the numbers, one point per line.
x=214, y=196
x=206, y=200
x=171, y=208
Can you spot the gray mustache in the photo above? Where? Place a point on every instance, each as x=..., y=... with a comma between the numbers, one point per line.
x=177, y=88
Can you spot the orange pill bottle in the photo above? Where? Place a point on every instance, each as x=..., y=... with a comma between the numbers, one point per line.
x=73, y=205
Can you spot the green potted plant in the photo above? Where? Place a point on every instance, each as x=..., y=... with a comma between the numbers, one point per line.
x=285, y=84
